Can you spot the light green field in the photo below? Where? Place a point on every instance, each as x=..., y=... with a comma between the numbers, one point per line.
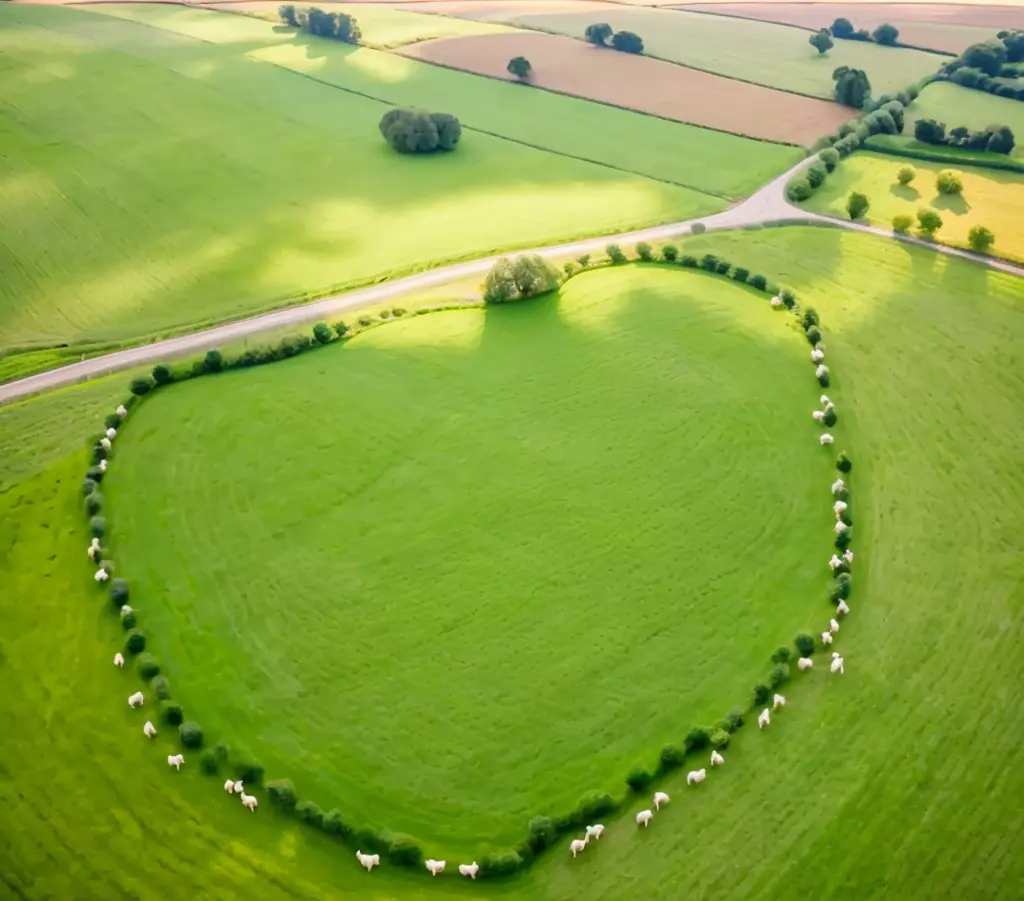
x=956, y=105
x=774, y=55
x=990, y=198
x=918, y=741
x=240, y=185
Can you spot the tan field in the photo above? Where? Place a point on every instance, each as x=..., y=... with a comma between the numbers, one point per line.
x=640, y=83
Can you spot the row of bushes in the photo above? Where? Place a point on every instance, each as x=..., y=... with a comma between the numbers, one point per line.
x=336, y=26
x=981, y=64
x=993, y=139
x=599, y=34
x=912, y=149
x=884, y=34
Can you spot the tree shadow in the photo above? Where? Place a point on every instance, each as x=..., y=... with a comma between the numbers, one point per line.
x=951, y=203
x=904, y=192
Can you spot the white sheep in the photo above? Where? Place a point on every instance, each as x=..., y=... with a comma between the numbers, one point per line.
x=136, y=700
x=105, y=443
x=659, y=799
x=805, y=663
x=837, y=486
x=820, y=370
x=696, y=777
x=776, y=302
x=818, y=416
x=839, y=507
x=848, y=556
x=717, y=759
x=817, y=355
x=840, y=526
x=103, y=465
x=826, y=439
x=435, y=866
x=229, y=786
x=122, y=411
x=577, y=845
x=824, y=400
x=119, y=660
x=826, y=638
x=368, y=860
x=175, y=760
x=111, y=433
x=837, y=663
x=778, y=701
x=764, y=719
x=239, y=788
x=834, y=563
x=595, y=832
x=126, y=609
x=842, y=607
x=149, y=730
x=250, y=802
x=101, y=575
x=833, y=626
x=469, y=869
x=644, y=817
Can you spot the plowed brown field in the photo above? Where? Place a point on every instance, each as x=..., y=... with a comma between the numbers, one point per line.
x=642, y=84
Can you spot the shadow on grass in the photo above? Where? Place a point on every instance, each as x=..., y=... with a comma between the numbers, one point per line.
x=905, y=192
x=951, y=203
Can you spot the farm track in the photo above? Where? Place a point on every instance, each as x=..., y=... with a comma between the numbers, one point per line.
x=766, y=207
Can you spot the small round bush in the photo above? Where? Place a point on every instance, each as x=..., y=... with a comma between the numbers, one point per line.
x=402, y=851
x=830, y=416
x=504, y=864
x=246, y=767
x=335, y=824
x=809, y=318
x=779, y=675
x=804, y=644
x=141, y=386
x=97, y=526
x=191, y=734
x=696, y=739
x=321, y=333
x=147, y=666
x=733, y=720
x=161, y=374
x=830, y=158
x=369, y=838
x=95, y=473
x=88, y=486
x=94, y=502
x=788, y=298
x=172, y=713
x=813, y=335
x=843, y=539
x=569, y=269
x=782, y=655
x=906, y=175
x=816, y=174
x=644, y=252
x=128, y=621
x=720, y=739
x=161, y=688
x=281, y=792
x=689, y=261
x=208, y=761
x=843, y=462
x=758, y=281
x=638, y=778
x=824, y=380
x=762, y=693
x=118, y=593
x=135, y=641
x=542, y=833
x=310, y=812
x=948, y=182
x=669, y=253
x=594, y=805
x=671, y=758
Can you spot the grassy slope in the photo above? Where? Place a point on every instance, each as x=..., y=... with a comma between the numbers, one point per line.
x=956, y=106
x=991, y=198
x=774, y=55
x=676, y=367
x=882, y=785
x=233, y=186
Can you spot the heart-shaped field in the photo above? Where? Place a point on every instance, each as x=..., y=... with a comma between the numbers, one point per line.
x=475, y=564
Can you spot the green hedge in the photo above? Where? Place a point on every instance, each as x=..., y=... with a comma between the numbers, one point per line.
x=899, y=145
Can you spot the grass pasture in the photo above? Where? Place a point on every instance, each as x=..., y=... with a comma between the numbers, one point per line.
x=991, y=198
x=777, y=56
x=956, y=105
x=451, y=530
x=869, y=787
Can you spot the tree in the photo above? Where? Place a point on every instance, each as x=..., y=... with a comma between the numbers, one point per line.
x=520, y=67
x=842, y=28
x=988, y=56
x=288, y=15
x=141, y=386
x=525, y=276
x=213, y=361
x=980, y=239
x=857, y=205
x=337, y=26
x=598, y=34
x=821, y=41
x=161, y=374
x=627, y=42
x=930, y=131
x=906, y=175
x=948, y=182
x=901, y=224
x=412, y=131
x=830, y=158
x=321, y=333
x=852, y=87
x=929, y=222
x=1001, y=139
x=1013, y=41
x=886, y=34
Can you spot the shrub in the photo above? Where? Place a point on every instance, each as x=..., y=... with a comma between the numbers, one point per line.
x=930, y=131
x=94, y=503
x=520, y=67
x=213, y=361
x=709, y=262
x=191, y=734
x=161, y=688
x=569, y=269
x=843, y=539
x=847, y=145
x=698, y=228
x=788, y=298
x=798, y=189
x=980, y=239
x=335, y=824
x=886, y=34
x=525, y=276
x=821, y=41
x=140, y=386
x=720, y=739
x=310, y=812
x=779, y=675
x=147, y=666
x=627, y=42
x=740, y=274
x=402, y=850
x=723, y=267
x=161, y=374
x=901, y=224
x=246, y=767
x=830, y=416
x=135, y=641
x=321, y=333
x=813, y=335
x=592, y=806
x=172, y=713
x=128, y=621
x=842, y=587
x=542, y=833
x=816, y=174
x=119, y=593
x=842, y=28
x=208, y=761
x=928, y=222
x=948, y=182
x=95, y=473
x=852, y=87
x=88, y=486
x=412, y=131
x=906, y=175
x=829, y=159
x=809, y=318
x=111, y=421
x=824, y=379
x=369, y=838
x=340, y=329
x=670, y=758
x=804, y=644
x=669, y=253
x=398, y=311
x=598, y=34
x=758, y=281
x=690, y=262
x=615, y=254
x=281, y=792
x=97, y=526
x=638, y=778
x=500, y=864
x=696, y=739
x=583, y=260
x=644, y=252
x=857, y=205
x=733, y=720
x=762, y=693
x=782, y=655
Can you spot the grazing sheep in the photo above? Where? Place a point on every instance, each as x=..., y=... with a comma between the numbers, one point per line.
x=776, y=302
x=239, y=788
x=126, y=609
x=820, y=370
x=837, y=486
x=826, y=638
x=644, y=817
x=469, y=869
x=175, y=760
x=764, y=719
x=696, y=777
x=848, y=556
x=817, y=355
x=435, y=866
x=249, y=801
x=122, y=411
x=833, y=626
x=119, y=660
x=91, y=551
x=136, y=700
x=837, y=663
x=149, y=730
x=229, y=786
x=595, y=832
x=103, y=465
x=660, y=798
x=840, y=526
x=101, y=575
x=842, y=607
x=834, y=563
x=824, y=400
x=818, y=416
x=105, y=443
x=111, y=434
x=839, y=507
x=804, y=664
x=368, y=860
x=826, y=439
x=778, y=701
x=577, y=845
x=717, y=759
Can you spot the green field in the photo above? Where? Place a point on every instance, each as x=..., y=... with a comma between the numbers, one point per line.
x=885, y=784
x=774, y=55
x=991, y=198
x=240, y=185
x=501, y=467
x=955, y=105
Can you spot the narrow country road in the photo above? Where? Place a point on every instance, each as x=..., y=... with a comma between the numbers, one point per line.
x=766, y=206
